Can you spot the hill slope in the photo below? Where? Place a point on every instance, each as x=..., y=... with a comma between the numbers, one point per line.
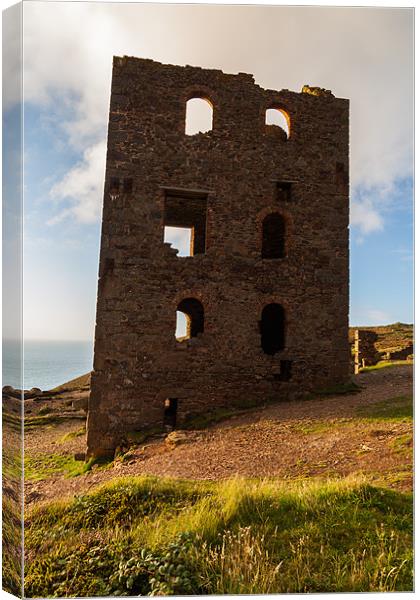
x=369, y=432
x=390, y=337
x=312, y=511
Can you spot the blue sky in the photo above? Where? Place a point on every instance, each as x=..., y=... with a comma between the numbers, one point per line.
x=381, y=263
x=362, y=54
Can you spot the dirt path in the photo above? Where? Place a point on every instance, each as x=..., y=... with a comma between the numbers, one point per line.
x=326, y=437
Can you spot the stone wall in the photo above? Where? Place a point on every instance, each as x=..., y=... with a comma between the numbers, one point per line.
x=365, y=353
x=401, y=354
x=234, y=177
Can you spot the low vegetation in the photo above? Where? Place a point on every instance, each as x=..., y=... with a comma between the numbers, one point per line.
x=42, y=466
x=336, y=390
x=154, y=536
x=383, y=364
x=402, y=443
x=79, y=383
x=149, y=536
x=399, y=408
x=49, y=419
x=11, y=555
x=67, y=437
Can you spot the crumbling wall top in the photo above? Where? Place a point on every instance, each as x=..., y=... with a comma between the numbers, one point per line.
x=246, y=78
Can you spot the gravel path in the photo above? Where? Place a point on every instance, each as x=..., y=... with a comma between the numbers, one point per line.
x=314, y=438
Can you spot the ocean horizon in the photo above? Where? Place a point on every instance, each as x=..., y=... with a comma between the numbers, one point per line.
x=47, y=363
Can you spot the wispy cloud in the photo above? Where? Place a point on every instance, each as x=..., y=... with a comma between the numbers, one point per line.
x=378, y=316
x=365, y=216
x=405, y=254
x=371, y=316
x=81, y=188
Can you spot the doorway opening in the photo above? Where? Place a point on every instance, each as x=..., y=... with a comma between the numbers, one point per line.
x=169, y=415
x=272, y=329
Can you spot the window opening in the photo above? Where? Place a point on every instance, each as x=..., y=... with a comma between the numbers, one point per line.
x=272, y=329
x=199, y=116
x=278, y=118
x=181, y=326
x=180, y=238
x=170, y=413
x=284, y=191
x=194, y=318
x=186, y=211
x=273, y=236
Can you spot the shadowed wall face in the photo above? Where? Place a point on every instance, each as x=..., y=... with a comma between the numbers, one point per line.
x=267, y=212
x=273, y=235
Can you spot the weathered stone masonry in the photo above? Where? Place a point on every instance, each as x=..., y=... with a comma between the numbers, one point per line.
x=262, y=329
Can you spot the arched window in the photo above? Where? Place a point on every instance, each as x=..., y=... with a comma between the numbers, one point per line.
x=193, y=317
x=279, y=118
x=199, y=116
x=272, y=328
x=273, y=236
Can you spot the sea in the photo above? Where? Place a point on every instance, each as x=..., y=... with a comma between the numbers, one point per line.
x=47, y=364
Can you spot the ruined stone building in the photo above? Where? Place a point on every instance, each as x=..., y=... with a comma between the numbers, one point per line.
x=365, y=353
x=265, y=288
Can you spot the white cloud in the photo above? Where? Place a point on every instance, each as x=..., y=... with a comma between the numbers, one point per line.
x=82, y=187
x=365, y=216
x=365, y=54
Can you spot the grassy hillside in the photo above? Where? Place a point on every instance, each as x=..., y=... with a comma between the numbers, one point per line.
x=390, y=337
x=330, y=512
x=149, y=536
x=79, y=383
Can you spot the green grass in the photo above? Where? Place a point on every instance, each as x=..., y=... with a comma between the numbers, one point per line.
x=393, y=478
x=384, y=364
x=43, y=420
x=45, y=410
x=402, y=443
x=67, y=437
x=13, y=421
x=335, y=390
x=12, y=538
x=43, y=466
x=399, y=408
x=150, y=536
x=81, y=382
